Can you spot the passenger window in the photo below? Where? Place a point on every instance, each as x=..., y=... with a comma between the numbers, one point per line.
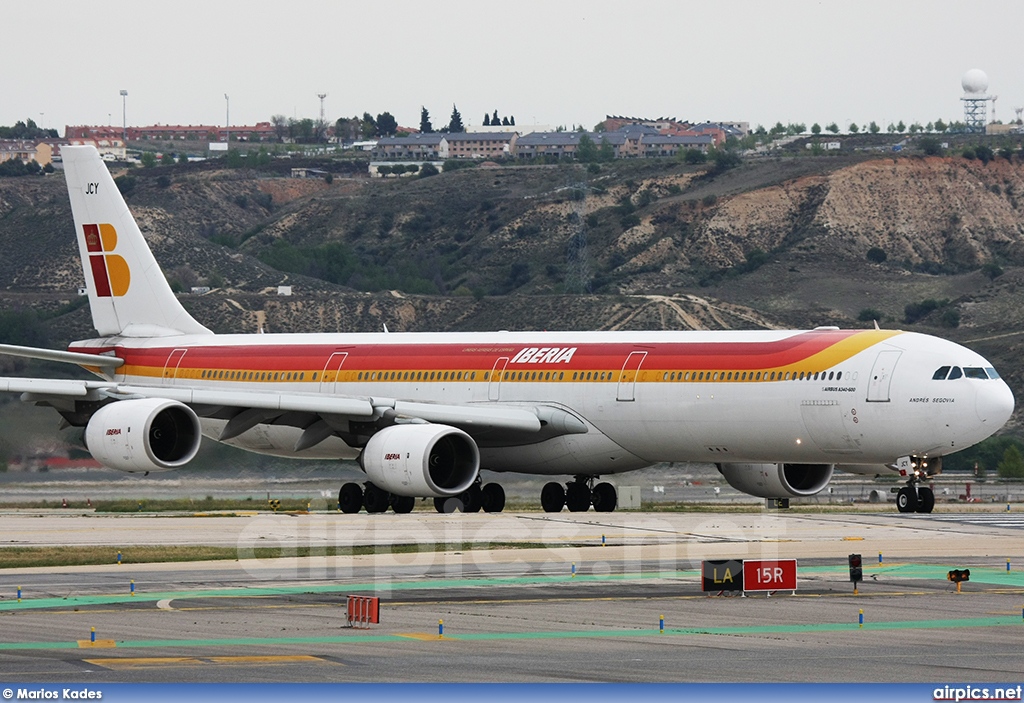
x=975, y=372
x=955, y=373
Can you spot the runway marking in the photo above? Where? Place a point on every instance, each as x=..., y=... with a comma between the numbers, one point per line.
x=127, y=663
x=424, y=636
x=164, y=604
x=97, y=644
x=793, y=628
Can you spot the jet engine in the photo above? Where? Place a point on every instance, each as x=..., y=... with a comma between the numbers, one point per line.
x=777, y=480
x=147, y=434
x=421, y=460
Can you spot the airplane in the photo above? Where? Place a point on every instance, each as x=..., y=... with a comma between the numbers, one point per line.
x=778, y=412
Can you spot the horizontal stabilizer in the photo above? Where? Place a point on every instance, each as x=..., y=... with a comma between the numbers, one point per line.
x=64, y=357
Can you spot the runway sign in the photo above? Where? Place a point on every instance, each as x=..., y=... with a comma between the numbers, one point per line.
x=778, y=575
x=722, y=575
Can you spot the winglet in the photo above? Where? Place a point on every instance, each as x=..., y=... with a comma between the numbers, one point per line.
x=128, y=294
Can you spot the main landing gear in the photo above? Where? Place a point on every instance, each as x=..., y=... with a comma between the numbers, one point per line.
x=352, y=497
x=578, y=496
x=489, y=497
x=913, y=498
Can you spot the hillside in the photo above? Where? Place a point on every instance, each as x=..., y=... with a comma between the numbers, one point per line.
x=777, y=242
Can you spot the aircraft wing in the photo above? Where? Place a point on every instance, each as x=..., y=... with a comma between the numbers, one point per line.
x=232, y=402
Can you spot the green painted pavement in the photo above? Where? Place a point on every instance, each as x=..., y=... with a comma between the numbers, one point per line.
x=1004, y=621
x=987, y=575
x=383, y=587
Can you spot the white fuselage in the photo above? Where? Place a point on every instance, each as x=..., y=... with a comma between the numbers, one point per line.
x=824, y=396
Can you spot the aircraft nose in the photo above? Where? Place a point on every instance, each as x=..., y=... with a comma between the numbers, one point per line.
x=994, y=404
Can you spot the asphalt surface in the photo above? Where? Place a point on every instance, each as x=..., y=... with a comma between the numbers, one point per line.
x=563, y=608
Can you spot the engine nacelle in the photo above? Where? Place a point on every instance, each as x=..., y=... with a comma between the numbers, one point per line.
x=421, y=460
x=147, y=434
x=777, y=480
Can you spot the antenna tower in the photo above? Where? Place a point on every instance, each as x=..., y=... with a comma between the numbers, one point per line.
x=577, y=265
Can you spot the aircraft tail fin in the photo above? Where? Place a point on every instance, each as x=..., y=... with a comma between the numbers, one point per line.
x=128, y=294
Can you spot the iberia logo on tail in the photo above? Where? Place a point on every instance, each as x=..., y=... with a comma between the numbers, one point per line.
x=109, y=271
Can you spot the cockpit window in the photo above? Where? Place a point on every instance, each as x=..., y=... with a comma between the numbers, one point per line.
x=940, y=375
x=955, y=373
x=991, y=372
x=975, y=372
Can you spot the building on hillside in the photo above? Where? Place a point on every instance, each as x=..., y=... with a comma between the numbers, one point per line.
x=259, y=132
x=540, y=144
x=659, y=145
x=110, y=147
x=21, y=149
x=614, y=123
x=426, y=146
x=480, y=145
x=42, y=151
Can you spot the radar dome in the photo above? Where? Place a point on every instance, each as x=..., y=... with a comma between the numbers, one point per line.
x=974, y=81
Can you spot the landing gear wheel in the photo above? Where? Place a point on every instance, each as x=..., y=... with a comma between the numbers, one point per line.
x=493, y=498
x=472, y=499
x=403, y=504
x=350, y=498
x=552, y=497
x=577, y=497
x=604, y=497
x=925, y=500
x=906, y=500
x=375, y=500
x=448, y=504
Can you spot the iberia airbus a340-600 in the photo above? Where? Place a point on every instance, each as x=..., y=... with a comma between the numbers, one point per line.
x=422, y=413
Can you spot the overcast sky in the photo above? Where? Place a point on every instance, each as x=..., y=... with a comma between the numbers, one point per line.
x=548, y=62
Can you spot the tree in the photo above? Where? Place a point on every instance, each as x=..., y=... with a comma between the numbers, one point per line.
x=368, y=126
x=693, y=156
x=815, y=129
x=455, y=123
x=386, y=124
x=280, y=123
x=348, y=129
x=931, y=146
x=586, y=150
x=487, y=120
x=984, y=153
x=425, y=125
x=874, y=128
x=853, y=128
x=504, y=121
x=940, y=126
x=1012, y=464
x=495, y=120
x=900, y=127
x=877, y=255
x=832, y=127
x=428, y=169
x=148, y=159
x=512, y=120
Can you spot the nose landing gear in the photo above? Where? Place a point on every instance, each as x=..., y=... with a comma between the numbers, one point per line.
x=913, y=498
